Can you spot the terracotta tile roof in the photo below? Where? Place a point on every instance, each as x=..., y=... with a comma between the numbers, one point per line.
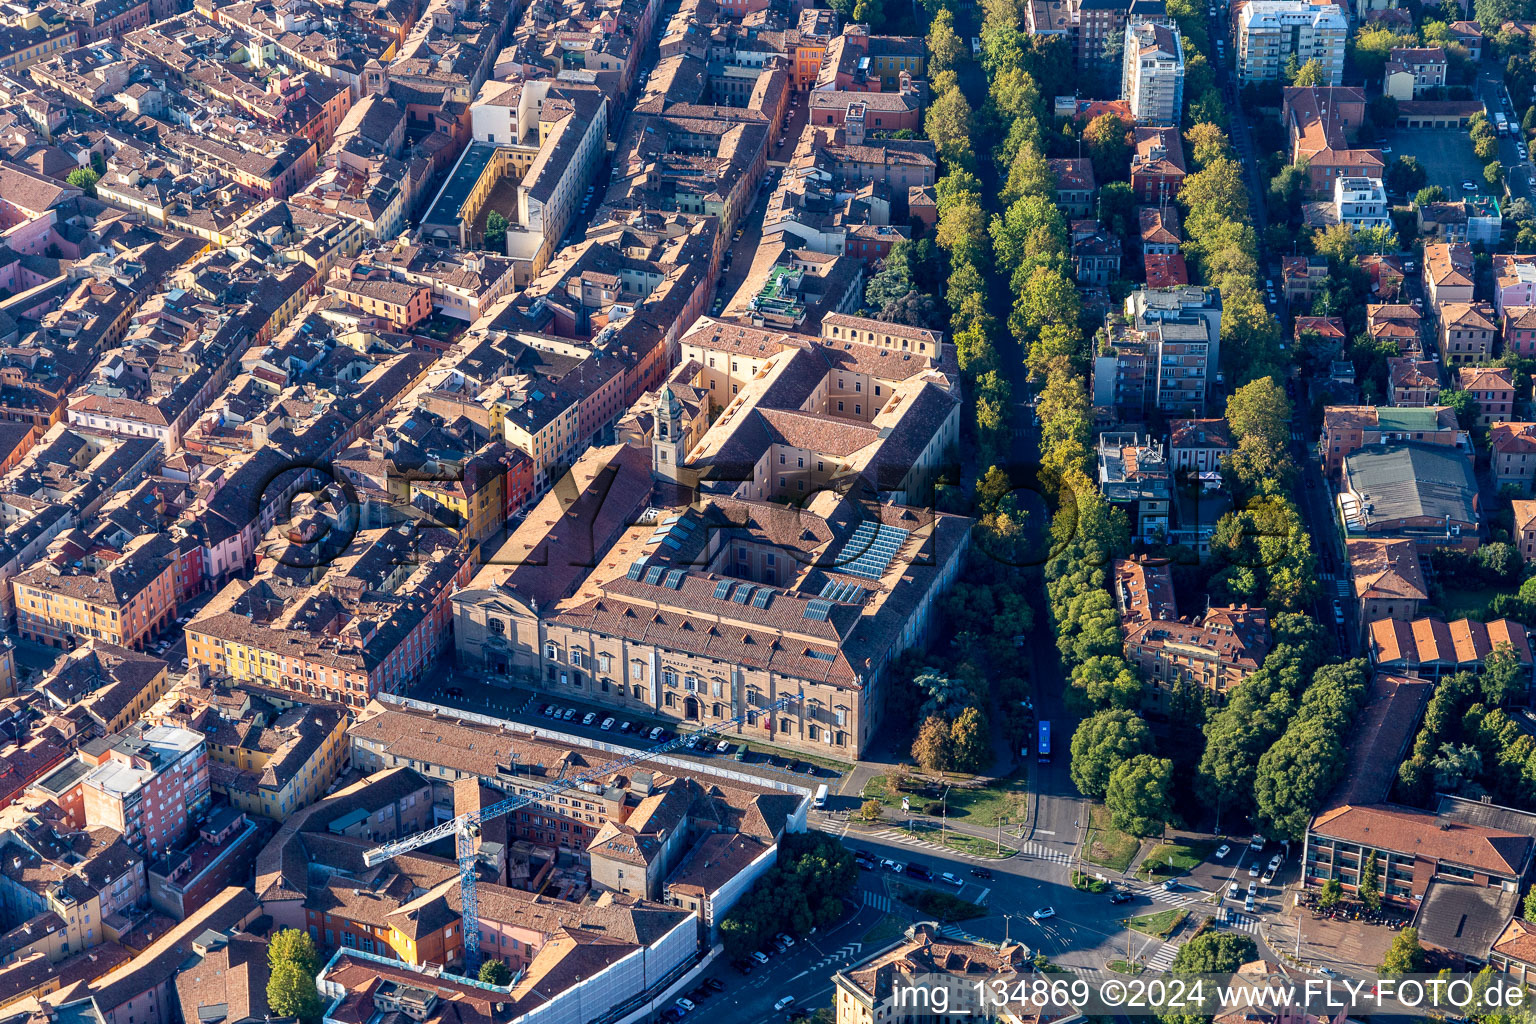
x=1166, y=270
x=1417, y=833
x=1486, y=378
x=1450, y=646
x=1386, y=569
x=1379, y=739
x=1073, y=173
x=1525, y=514
x=1513, y=438
x=1208, y=433
x=1517, y=941
x=1476, y=316
x=1446, y=264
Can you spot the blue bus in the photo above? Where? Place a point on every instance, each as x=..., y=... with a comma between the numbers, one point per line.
x=1045, y=741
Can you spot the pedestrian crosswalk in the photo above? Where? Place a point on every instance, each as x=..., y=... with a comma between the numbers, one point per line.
x=1034, y=849
x=894, y=835
x=1242, y=923
x=879, y=900
x=832, y=826
x=954, y=931
x=1163, y=958
x=1173, y=899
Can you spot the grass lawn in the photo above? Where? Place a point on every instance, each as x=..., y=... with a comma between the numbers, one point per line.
x=1155, y=866
x=1470, y=603
x=1106, y=845
x=886, y=930
x=1121, y=967
x=879, y=788
x=939, y=905
x=1087, y=883
x=1006, y=800
x=962, y=843
x=1160, y=924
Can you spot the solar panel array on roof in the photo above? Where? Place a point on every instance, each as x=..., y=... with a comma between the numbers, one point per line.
x=722, y=589
x=868, y=553
x=829, y=589
x=654, y=573
x=742, y=593
x=817, y=610
x=675, y=579
x=762, y=597
x=636, y=568
x=821, y=655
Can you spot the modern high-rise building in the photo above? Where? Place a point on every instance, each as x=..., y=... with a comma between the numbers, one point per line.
x=1271, y=32
x=1152, y=74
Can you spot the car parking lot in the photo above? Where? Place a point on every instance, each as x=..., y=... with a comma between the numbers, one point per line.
x=1446, y=156
x=612, y=725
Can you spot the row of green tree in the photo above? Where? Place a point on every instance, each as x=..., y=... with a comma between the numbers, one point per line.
x=1468, y=744
x=804, y=890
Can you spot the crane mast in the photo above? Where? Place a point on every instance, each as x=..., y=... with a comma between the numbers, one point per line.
x=466, y=827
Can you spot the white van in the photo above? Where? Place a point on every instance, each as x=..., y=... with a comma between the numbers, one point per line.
x=820, y=802
x=783, y=1002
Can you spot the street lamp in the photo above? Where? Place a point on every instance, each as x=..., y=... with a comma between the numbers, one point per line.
x=1007, y=925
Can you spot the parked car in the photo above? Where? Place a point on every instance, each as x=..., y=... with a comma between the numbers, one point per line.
x=1469, y=186
x=981, y=872
x=607, y=724
x=686, y=1005
x=723, y=747
x=759, y=956
x=570, y=713
x=589, y=718
x=1222, y=851
x=895, y=867
x=919, y=872
x=625, y=727
x=655, y=733
x=741, y=752
x=954, y=880
x=714, y=984
x=742, y=966
x=1276, y=861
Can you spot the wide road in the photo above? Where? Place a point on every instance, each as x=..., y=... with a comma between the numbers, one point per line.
x=1518, y=173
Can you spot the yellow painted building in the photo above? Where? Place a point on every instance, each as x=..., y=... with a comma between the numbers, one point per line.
x=124, y=601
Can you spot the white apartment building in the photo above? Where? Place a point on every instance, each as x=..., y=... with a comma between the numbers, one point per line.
x=1152, y=74
x=1269, y=32
x=1361, y=203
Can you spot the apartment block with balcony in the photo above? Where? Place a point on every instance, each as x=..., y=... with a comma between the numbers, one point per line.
x=1152, y=74
x=148, y=782
x=1361, y=203
x=1271, y=32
